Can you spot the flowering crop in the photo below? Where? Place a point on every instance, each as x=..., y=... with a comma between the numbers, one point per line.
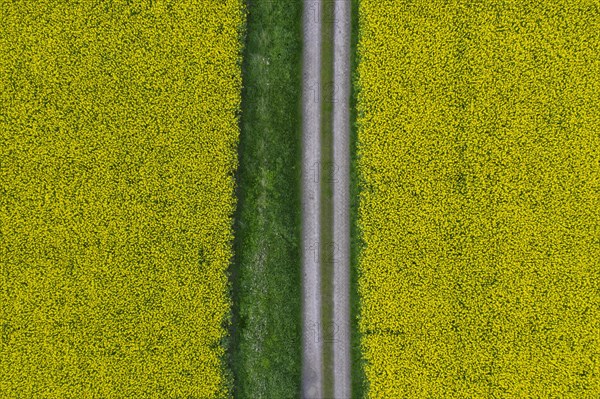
x=479, y=160
x=118, y=144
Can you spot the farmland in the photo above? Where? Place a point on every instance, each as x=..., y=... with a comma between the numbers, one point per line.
x=267, y=199
x=118, y=147
x=479, y=167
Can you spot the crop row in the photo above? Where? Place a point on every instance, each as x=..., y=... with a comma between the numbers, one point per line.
x=118, y=145
x=479, y=161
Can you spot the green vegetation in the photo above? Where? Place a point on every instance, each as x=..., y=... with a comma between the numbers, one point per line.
x=479, y=159
x=266, y=339
x=118, y=137
x=358, y=374
x=326, y=176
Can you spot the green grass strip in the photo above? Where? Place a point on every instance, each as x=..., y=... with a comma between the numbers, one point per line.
x=326, y=175
x=358, y=374
x=266, y=339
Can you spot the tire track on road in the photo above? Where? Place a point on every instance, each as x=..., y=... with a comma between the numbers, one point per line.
x=312, y=348
x=341, y=205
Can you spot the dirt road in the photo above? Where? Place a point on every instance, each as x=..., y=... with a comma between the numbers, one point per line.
x=314, y=203
x=341, y=204
x=312, y=344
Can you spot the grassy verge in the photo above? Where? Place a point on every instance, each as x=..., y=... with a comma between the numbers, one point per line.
x=266, y=279
x=358, y=375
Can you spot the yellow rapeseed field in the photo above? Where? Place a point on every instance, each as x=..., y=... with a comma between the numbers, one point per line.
x=479, y=159
x=118, y=144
